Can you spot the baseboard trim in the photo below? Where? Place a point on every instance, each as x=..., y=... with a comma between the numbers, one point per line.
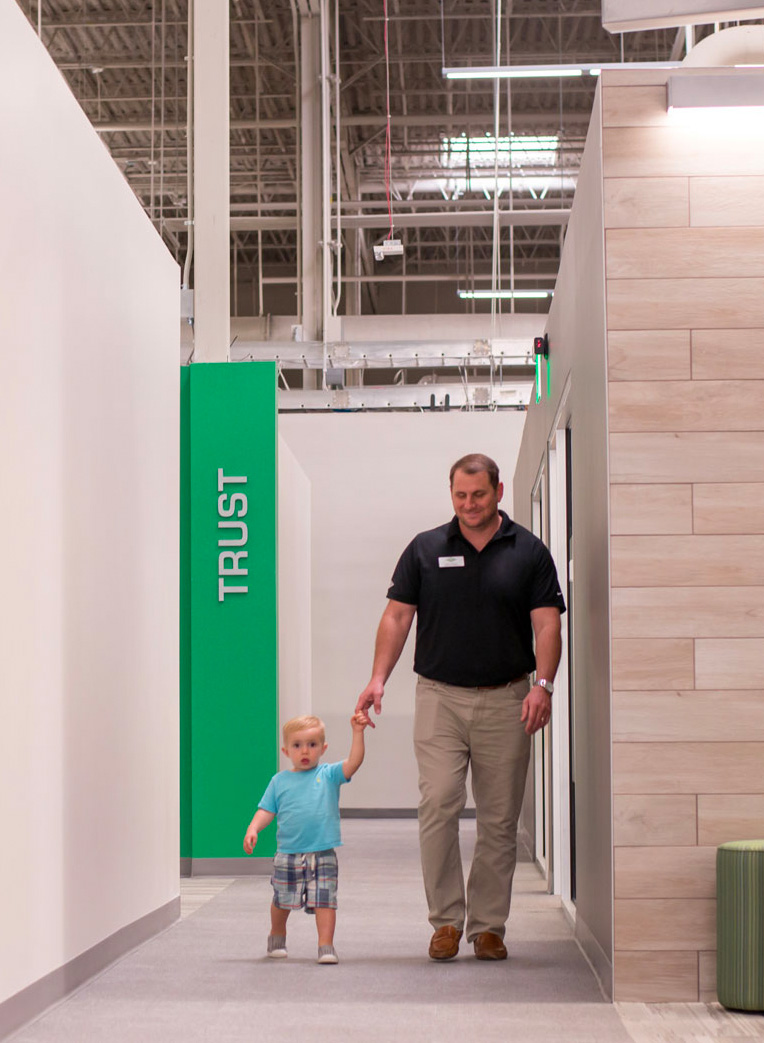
x=226, y=866
x=524, y=845
x=391, y=813
x=36, y=998
x=596, y=957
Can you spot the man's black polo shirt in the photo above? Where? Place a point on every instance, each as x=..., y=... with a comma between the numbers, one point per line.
x=473, y=608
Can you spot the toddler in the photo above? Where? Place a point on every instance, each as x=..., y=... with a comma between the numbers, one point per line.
x=305, y=799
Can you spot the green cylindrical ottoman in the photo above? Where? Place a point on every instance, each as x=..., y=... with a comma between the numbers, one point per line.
x=740, y=924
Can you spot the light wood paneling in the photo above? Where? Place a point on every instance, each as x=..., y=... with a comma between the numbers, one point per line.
x=729, y=507
x=655, y=820
x=674, y=151
x=665, y=872
x=649, y=355
x=656, y=977
x=641, y=665
x=728, y=354
x=729, y=663
x=635, y=106
x=703, y=561
x=641, y=304
x=723, y=818
x=665, y=923
x=688, y=612
x=722, y=715
x=649, y=202
x=685, y=253
x=633, y=77
x=687, y=457
x=700, y=405
x=707, y=977
x=688, y=767
x=727, y=201
x=684, y=220
x=650, y=509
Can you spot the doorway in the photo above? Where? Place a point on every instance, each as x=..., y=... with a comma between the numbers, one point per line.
x=561, y=726
x=541, y=753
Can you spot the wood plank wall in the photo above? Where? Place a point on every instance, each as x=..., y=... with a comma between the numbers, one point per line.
x=684, y=220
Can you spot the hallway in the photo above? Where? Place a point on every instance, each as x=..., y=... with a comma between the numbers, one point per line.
x=206, y=978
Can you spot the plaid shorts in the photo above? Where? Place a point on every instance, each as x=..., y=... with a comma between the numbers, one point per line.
x=305, y=881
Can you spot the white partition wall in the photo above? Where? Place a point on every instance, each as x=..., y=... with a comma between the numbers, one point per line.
x=376, y=480
x=294, y=586
x=88, y=545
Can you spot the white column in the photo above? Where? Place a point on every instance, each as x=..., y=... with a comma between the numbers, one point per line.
x=212, y=277
x=311, y=174
x=326, y=176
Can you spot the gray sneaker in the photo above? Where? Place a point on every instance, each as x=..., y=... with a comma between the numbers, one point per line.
x=327, y=954
x=277, y=949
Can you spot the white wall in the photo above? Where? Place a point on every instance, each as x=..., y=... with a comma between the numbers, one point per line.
x=377, y=480
x=294, y=586
x=88, y=532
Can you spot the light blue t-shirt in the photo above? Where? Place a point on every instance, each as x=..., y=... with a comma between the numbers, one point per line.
x=307, y=806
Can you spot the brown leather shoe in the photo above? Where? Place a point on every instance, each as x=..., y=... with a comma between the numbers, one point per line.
x=444, y=944
x=489, y=946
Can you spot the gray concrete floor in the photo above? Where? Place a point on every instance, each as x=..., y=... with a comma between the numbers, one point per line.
x=207, y=978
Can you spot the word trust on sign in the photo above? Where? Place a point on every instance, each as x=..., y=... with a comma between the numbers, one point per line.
x=232, y=504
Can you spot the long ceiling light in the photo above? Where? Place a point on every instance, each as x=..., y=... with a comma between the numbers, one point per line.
x=510, y=72
x=504, y=295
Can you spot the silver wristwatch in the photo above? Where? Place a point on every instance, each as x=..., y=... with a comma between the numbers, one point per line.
x=543, y=683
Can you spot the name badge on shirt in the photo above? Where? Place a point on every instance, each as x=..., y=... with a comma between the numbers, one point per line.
x=456, y=562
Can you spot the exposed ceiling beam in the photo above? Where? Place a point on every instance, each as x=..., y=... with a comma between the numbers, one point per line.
x=572, y=121
x=461, y=219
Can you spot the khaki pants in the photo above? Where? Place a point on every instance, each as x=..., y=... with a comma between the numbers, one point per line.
x=454, y=727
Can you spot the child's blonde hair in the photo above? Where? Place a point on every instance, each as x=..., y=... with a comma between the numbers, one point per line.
x=301, y=724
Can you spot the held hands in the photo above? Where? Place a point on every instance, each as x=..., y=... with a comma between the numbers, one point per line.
x=370, y=696
x=537, y=709
x=360, y=720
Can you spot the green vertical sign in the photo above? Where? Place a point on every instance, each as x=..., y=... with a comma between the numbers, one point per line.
x=229, y=719
x=186, y=846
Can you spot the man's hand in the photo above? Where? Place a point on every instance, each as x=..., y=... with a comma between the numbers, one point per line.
x=392, y=632
x=537, y=709
x=250, y=840
x=370, y=696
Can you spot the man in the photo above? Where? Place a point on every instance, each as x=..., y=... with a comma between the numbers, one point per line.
x=482, y=588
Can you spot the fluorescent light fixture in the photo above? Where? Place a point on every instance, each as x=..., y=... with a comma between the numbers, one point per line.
x=511, y=72
x=495, y=295
x=515, y=150
x=736, y=91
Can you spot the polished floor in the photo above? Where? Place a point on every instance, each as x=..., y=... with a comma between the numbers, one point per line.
x=206, y=978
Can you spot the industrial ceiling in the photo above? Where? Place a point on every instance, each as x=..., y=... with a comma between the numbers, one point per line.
x=126, y=61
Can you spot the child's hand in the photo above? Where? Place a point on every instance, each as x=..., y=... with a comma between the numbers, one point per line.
x=250, y=840
x=359, y=721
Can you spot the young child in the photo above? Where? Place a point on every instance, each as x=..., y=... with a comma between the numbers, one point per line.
x=306, y=800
